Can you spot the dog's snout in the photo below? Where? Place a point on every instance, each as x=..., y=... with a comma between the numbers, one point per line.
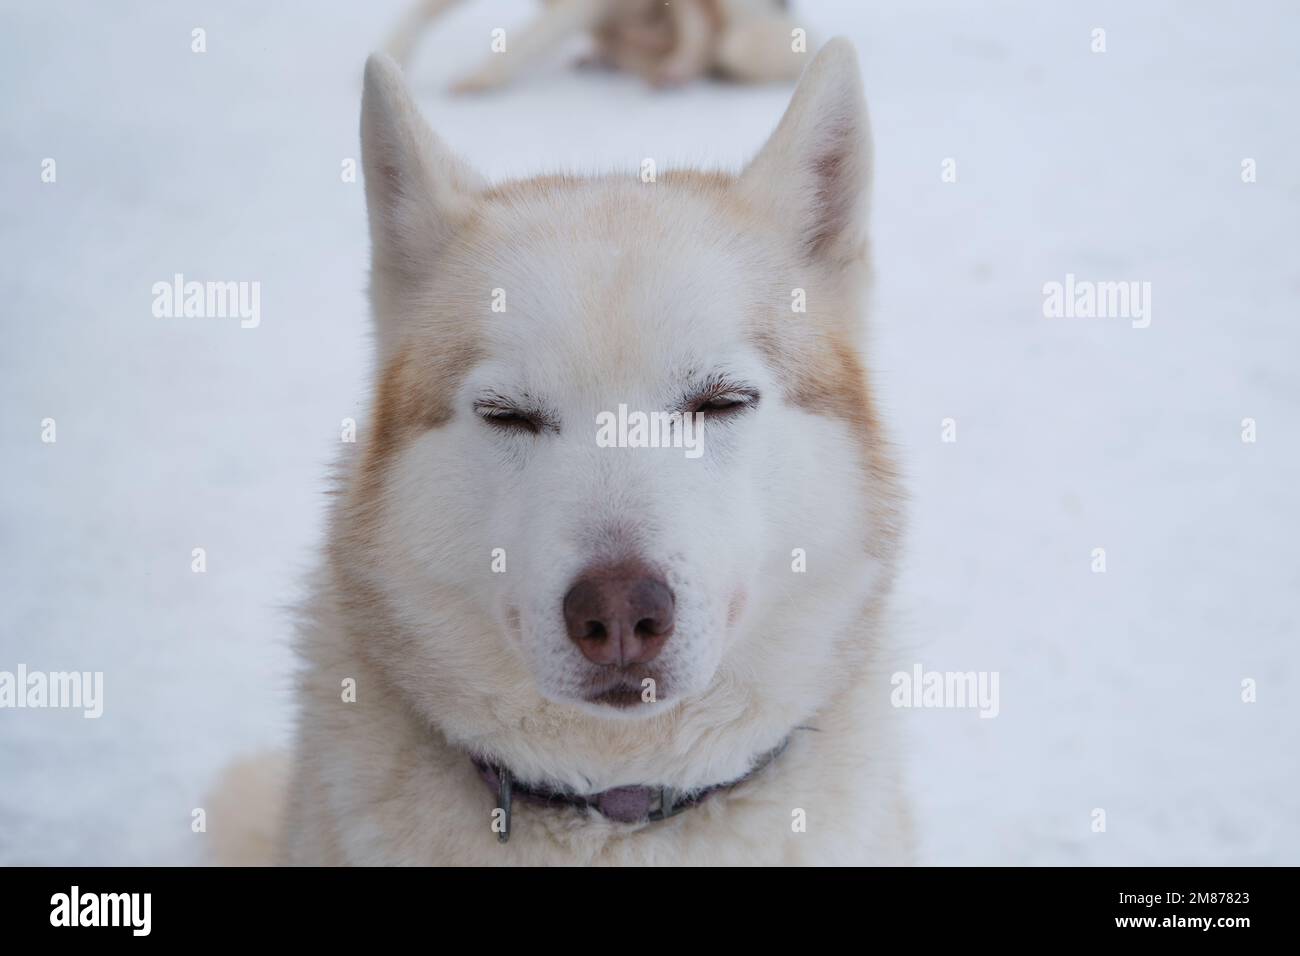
x=620, y=615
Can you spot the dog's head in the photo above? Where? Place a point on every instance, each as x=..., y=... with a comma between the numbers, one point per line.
x=515, y=528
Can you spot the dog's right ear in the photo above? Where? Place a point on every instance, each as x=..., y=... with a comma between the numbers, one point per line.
x=417, y=192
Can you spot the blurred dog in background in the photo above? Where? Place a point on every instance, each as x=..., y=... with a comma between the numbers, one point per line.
x=666, y=43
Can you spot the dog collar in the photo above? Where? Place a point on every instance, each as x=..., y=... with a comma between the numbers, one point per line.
x=635, y=804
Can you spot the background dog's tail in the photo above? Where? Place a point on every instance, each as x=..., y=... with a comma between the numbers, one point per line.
x=246, y=810
x=404, y=36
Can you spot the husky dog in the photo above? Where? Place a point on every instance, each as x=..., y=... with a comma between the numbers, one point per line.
x=528, y=646
x=667, y=44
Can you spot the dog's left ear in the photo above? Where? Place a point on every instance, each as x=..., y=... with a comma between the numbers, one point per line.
x=814, y=172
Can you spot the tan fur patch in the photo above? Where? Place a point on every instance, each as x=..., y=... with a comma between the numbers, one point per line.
x=412, y=395
x=706, y=181
x=824, y=375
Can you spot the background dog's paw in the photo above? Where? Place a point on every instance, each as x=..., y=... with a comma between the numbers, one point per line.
x=481, y=81
x=673, y=76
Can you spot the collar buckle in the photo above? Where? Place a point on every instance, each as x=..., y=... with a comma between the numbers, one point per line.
x=505, y=796
x=669, y=806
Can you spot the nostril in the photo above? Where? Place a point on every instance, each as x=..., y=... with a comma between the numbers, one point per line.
x=649, y=627
x=595, y=631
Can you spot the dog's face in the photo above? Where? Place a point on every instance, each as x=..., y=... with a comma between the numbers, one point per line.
x=621, y=434
x=626, y=562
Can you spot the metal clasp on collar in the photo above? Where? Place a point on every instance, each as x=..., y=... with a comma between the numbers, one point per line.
x=668, y=806
x=503, y=802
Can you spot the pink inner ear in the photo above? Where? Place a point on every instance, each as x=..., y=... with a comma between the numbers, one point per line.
x=833, y=200
x=390, y=189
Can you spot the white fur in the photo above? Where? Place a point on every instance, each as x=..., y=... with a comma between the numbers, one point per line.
x=617, y=291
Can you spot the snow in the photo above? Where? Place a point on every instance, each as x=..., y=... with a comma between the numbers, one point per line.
x=1119, y=691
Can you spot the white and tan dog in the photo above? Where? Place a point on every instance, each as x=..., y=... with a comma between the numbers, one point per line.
x=629, y=630
x=665, y=43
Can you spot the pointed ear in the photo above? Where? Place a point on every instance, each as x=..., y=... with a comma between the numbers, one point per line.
x=814, y=172
x=417, y=192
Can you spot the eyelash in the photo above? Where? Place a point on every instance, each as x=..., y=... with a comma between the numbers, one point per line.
x=510, y=418
x=736, y=400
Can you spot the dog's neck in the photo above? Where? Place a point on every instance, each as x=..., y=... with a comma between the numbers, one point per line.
x=637, y=804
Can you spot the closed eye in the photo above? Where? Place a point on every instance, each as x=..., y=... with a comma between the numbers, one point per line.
x=500, y=414
x=722, y=401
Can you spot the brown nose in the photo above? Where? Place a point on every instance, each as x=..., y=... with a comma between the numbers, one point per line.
x=619, y=615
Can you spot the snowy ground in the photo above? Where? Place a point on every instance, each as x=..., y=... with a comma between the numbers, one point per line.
x=1119, y=691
